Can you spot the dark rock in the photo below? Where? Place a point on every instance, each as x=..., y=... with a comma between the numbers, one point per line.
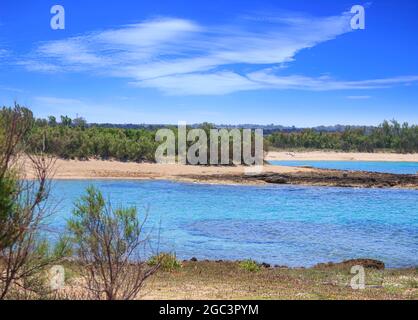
x=265, y=265
x=194, y=259
x=280, y=267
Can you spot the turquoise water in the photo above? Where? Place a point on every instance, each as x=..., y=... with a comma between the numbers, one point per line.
x=285, y=225
x=373, y=166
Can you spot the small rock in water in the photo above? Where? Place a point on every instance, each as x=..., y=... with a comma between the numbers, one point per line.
x=194, y=259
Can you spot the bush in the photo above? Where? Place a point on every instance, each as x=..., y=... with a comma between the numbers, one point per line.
x=24, y=255
x=108, y=243
x=249, y=265
x=168, y=262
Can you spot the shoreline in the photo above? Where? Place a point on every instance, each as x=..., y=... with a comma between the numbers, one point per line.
x=340, y=156
x=229, y=280
x=236, y=175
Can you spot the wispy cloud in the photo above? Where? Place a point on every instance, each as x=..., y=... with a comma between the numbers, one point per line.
x=57, y=101
x=358, y=97
x=182, y=57
x=270, y=79
x=12, y=89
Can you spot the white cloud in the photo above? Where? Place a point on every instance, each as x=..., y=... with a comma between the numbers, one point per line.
x=358, y=97
x=269, y=79
x=54, y=101
x=12, y=89
x=204, y=84
x=179, y=56
x=38, y=66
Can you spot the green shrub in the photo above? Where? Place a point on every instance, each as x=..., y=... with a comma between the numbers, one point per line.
x=249, y=265
x=107, y=243
x=167, y=261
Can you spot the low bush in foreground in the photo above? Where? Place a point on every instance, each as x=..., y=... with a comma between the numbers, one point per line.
x=249, y=265
x=167, y=261
x=108, y=244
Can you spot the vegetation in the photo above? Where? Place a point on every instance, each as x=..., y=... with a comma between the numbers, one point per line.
x=167, y=261
x=24, y=254
x=227, y=280
x=71, y=139
x=249, y=265
x=389, y=135
x=107, y=243
x=76, y=139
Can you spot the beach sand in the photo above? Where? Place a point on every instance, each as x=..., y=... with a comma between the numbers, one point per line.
x=340, y=156
x=99, y=169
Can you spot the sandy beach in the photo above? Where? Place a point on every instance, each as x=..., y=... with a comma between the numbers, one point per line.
x=99, y=169
x=341, y=156
x=93, y=168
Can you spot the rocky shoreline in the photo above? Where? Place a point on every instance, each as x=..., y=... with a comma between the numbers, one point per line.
x=335, y=178
x=364, y=262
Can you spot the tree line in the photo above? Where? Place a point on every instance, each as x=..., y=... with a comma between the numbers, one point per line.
x=76, y=139
x=391, y=136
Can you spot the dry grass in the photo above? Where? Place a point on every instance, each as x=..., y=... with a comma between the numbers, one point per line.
x=227, y=280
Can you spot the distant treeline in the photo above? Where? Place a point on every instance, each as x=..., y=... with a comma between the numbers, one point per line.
x=76, y=139
x=268, y=128
x=389, y=135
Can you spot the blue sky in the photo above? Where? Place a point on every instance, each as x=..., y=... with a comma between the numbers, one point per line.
x=283, y=62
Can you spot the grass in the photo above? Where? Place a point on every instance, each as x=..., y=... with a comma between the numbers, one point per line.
x=248, y=280
x=229, y=280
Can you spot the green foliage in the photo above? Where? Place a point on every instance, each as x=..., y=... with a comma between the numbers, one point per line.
x=107, y=242
x=250, y=266
x=8, y=190
x=15, y=124
x=75, y=140
x=388, y=135
x=24, y=256
x=34, y=270
x=167, y=261
x=91, y=215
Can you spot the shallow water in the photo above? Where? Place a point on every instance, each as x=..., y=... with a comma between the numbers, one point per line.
x=373, y=166
x=286, y=225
